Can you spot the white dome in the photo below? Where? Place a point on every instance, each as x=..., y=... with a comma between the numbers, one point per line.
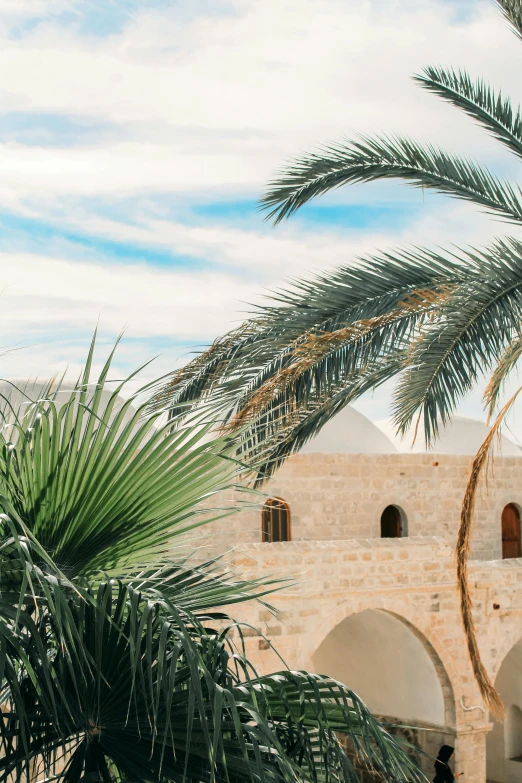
x=17, y=395
x=462, y=435
x=349, y=432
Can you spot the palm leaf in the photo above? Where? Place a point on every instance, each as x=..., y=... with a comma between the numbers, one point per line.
x=134, y=676
x=100, y=489
x=512, y=10
x=288, y=428
x=344, y=316
x=370, y=159
x=473, y=328
x=158, y=697
x=506, y=364
x=492, y=111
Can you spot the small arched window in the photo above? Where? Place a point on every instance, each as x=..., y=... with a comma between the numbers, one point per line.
x=510, y=532
x=392, y=523
x=513, y=733
x=275, y=521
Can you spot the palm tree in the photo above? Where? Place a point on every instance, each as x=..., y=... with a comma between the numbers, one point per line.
x=117, y=660
x=436, y=320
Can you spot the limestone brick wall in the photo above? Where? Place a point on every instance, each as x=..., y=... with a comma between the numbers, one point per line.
x=339, y=566
x=412, y=578
x=342, y=496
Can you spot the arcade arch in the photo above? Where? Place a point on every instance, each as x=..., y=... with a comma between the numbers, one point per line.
x=396, y=672
x=504, y=742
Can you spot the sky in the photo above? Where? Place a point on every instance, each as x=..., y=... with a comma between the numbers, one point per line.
x=136, y=137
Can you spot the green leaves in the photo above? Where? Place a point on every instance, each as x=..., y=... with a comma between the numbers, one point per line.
x=150, y=693
x=328, y=340
x=512, y=10
x=373, y=158
x=102, y=487
x=492, y=111
x=463, y=321
x=134, y=675
x=468, y=336
x=435, y=321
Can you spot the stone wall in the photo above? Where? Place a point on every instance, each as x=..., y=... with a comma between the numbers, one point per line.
x=342, y=496
x=339, y=566
x=412, y=578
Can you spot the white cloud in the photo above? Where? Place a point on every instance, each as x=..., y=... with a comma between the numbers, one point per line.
x=17, y=10
x=211, y=101
x=266, y=254
x=220, y=101
x=41, y=292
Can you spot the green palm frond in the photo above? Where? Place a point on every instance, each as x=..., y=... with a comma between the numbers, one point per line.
x=204, y=588
x=370, y=159
x=100, y=488
x=376, y=301
x=472, y=330
x=289, y=427
x=159, y=697
x=197, y=379
x=512, y=10
x=494, y=112
x=137, y=676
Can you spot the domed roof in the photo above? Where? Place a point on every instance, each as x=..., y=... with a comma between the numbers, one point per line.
x=349, y=432
x=17, y=395
x=462, y=435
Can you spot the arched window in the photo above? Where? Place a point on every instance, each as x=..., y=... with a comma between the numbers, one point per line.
x=275, y=521
x=392, y=523
x=510, y=532
x=513, y=733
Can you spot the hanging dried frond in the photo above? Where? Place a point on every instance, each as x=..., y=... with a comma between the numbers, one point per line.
x=486, y=687
x=507, y=362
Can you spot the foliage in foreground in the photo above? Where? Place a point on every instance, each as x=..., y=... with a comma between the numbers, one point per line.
x=118, y=664
x=435, y=320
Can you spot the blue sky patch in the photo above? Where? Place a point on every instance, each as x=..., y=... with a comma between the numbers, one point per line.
x=21, y=234
x=51, y=130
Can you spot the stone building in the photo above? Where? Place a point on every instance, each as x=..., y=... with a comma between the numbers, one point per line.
x=366, y=527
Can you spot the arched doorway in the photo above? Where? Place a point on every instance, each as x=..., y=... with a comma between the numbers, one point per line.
x=394, y=670
x=510, y=531
x=504, y=742
x=513, y=733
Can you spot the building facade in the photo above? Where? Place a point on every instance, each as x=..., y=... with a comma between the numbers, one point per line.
x=365, y=527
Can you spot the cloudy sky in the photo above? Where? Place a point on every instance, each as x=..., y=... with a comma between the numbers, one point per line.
x=137, y=135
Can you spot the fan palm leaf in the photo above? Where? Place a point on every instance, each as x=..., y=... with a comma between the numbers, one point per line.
x=117, y=661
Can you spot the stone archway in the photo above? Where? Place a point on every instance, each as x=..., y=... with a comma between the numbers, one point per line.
x=504, y=743
x=396, y=671
x=419, y=625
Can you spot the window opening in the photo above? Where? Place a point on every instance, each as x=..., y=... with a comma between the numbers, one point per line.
x=275, y=521
x=391, y=522
x=510, y=532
